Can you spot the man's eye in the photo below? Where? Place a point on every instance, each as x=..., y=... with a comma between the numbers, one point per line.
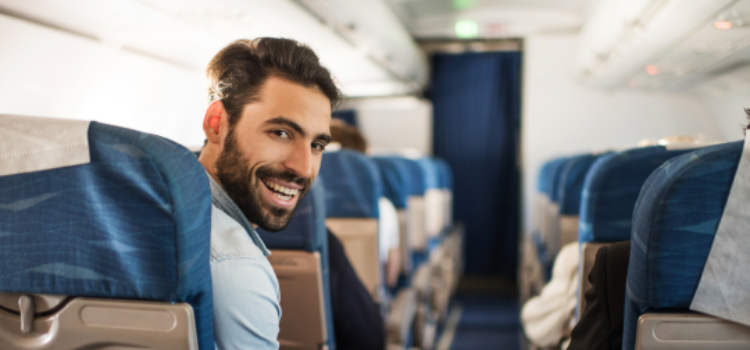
x=319, y=146
x=281, y=133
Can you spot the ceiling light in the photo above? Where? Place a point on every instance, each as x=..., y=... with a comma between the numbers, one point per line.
x=722, y=25
x=467, y=29
x=652, y=70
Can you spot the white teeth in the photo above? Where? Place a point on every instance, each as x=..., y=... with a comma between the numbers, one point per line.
x=286, y=193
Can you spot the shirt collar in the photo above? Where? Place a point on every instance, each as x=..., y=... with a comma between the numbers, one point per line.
x=221, y=200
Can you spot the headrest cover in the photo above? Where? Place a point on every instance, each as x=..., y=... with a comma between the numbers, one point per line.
x=724, y=286
x=35, y=144
x=352, y=183
x=611, y=189
x=547, y=175
x=307, y=230
x=396, y=180
x=674, y=222
x=572, y=183
x=133, y=223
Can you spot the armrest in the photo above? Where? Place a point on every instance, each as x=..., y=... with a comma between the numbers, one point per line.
x=588, y=257
x=400, y=318
x=689, y=331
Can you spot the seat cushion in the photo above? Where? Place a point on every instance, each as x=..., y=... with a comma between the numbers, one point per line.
x=134, y=223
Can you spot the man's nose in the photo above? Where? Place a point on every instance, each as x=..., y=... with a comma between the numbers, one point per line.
x=300, y=161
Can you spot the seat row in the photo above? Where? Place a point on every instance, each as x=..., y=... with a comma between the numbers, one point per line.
x=110, y=246
x=668, y=201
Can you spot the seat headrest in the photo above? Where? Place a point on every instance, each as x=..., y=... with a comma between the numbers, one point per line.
x=445, y=172
x=674, y=222
x=396, y=180
x=416, y=174
x=547, y=175
x=352, y=183
x=571, y=186
x=133, y=223
x=555, y=179
x=611, y=189
x=430, y=172
x=307, y=229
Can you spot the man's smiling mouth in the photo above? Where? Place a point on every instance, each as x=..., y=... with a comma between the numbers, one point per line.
x=283, y=193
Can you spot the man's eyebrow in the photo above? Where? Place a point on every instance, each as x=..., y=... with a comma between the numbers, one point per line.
x=287, y=122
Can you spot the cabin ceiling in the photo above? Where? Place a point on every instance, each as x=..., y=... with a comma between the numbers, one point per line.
x=431, y=19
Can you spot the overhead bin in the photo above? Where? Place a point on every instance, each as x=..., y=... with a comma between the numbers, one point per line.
x=364, y=45
x=660, y=44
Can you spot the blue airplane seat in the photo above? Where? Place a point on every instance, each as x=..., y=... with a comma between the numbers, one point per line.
x=610, y=191
x=674, y=223
x=353, y=190
x=132, y=223
x=353, y=185
x=446, y=185
x=394, y=172
x=299, y=256
x=569, y=197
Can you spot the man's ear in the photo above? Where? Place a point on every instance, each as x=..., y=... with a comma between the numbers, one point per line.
x=212, y=121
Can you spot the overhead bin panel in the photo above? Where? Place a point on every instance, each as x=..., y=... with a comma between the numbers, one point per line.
x=623, y=39
x=188, y=33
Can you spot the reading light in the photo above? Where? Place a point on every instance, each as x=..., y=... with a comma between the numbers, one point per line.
x=652, y=70
x=467, y=29
x=723, y=25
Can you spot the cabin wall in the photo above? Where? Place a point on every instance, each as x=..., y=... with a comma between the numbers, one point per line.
x=53, y=73
x=561, y=117
x=727, y=110
x=393, y=124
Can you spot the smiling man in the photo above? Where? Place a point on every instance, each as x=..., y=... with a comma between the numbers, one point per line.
x=266, y=128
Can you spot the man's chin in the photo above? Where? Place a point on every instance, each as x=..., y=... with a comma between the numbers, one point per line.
x=273, y=222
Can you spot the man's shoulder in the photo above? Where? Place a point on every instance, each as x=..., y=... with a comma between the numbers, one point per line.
x=229, y=240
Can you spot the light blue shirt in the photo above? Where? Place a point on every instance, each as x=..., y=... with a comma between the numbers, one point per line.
x=246, y=292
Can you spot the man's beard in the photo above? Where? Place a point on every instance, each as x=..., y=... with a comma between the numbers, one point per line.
x=236, y=177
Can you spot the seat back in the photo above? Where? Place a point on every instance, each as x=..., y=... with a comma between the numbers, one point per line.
x=446, y=185
x=415, y=209
x=569, y=197
x=299, y=257
x=353, y=188
x=674, y=223
x=551, y=214
x=433, y=198
x=396, y=187
x=110, y=248
x=609, y=195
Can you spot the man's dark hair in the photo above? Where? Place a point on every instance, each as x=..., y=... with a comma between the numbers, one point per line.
x=237, y=73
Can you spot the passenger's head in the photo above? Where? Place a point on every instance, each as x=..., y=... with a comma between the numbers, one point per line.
x=267, y=125
x=348, y=136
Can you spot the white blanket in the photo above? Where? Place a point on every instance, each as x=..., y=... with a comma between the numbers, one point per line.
x=546, y=317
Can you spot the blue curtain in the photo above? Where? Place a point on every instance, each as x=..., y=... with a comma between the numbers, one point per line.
x=477, y=102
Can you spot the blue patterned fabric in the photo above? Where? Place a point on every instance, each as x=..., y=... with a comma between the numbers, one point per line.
x=611, y=188
x=416, y=173
x=353, y=185
x=135, y=223
x=430, y=171
x=394, y=172
x=307, y=232
x=674, y=223
x=555, y=178
x=445, y=172
x=571, y=186
x=542, y=184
